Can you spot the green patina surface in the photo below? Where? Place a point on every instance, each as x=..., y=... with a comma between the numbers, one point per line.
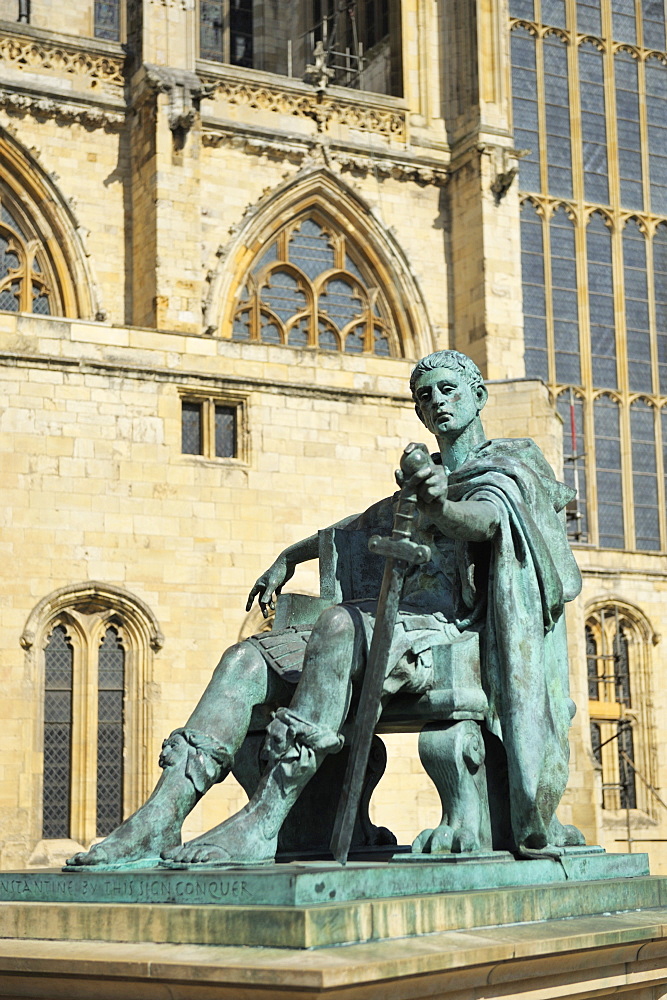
x=133, y=909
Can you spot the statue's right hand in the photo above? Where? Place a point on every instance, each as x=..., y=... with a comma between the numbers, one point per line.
x=268, y=586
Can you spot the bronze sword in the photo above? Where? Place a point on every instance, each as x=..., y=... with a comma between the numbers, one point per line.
x=400, y=553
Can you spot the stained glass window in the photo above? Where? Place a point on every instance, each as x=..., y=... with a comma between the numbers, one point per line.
x=601, y=302
x=606, y=418
x=557, y=116
x=107, y=20
x=593, y=124
x=660, y=293
x=58, y=666
x=553, y=13
x=24, y=282
x=534, y=307
x=571, y=410
x=524, y=107
x=191, y=428
x=588, y=17
x=638, y=335
x=564, y=298
x=110, y=699
x=312, y=288
x=656, y=113
x=226, y=31
x=523, y=8
x=644, y=476
x=623, y=21
x=653, y=24
x=628, y=127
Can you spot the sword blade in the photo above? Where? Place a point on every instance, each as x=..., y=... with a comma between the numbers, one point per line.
x=369, y=707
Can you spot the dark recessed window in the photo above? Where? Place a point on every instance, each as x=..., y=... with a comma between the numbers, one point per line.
x=209, y=428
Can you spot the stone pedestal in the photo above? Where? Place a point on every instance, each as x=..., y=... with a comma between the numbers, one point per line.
x=461, y=929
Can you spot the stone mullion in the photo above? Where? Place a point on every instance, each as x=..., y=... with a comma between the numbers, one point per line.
x=83, y=768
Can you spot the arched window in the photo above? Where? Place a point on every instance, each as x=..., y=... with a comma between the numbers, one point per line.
x=618, y=644
x=644, y=475
x=564, y=297
x=524, y=107
x=601, y=302
x=611, y=522
x=92, y=644
x=593, y=124
x=571, y=409
x=26, y=280
x=629, y=130
x=638, y=335
x=533, y=285
x=557, y=116
x=312, y=287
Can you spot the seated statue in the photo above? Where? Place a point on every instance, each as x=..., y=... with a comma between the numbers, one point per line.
x=491, y=513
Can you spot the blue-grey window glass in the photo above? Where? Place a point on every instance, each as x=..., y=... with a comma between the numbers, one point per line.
x=354, y=342
x=606, y=420
x=601, y=302
x=58, y=665
x=653, y=24
x=628, y=128
x=107, y=20
x=211, y=21
x=298, y=335
x=110, y=697
x=534, y=307
x=241, y=327
x=310, y=249
x=553, y=13
x=574, y=463
x=326, y=338
x=588, y=17
x=225, y=431
x=557, y=116
x=660, y=287
x=283, y=294
x=523, y=8
x=644, y=476
x=564, y=298
x=637, y=326
x=191, y=428
x=623, y=21
x=240, y=32
x=593, y=124
x=341, y=301
x=656, y=114
x=524, y=108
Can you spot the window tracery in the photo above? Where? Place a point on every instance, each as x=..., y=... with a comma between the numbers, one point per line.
x=26, y=284
x=594, y=249
x=311, y=288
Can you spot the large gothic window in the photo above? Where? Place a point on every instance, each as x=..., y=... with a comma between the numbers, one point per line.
x=311, y=287
x=618, y=642
x=589, y=107
x=26, y=281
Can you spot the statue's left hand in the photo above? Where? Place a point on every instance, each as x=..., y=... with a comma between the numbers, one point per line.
x=268, y=586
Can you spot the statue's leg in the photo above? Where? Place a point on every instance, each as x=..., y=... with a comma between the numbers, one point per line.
x=297, y=741
x=453, y=756
x=192, y=759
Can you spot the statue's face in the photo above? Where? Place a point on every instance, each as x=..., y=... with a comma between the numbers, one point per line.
x=447, y=402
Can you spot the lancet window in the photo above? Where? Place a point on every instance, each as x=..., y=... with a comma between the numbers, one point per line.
x=618, y=643
x=93, y=652
x=589, y=84
x=311, y=287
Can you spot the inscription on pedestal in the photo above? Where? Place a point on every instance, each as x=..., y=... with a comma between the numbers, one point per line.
x=137, y=888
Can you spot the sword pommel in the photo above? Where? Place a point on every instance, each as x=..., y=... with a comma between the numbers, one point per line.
x=402, y=548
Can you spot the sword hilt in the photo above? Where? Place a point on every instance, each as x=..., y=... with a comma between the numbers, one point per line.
x=399, y=548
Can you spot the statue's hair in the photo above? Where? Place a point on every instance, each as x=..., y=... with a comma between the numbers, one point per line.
x=447, y=359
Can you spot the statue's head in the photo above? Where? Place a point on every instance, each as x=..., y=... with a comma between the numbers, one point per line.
x=448, y=390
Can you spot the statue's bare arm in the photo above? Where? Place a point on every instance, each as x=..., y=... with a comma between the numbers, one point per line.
x=269, y=585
